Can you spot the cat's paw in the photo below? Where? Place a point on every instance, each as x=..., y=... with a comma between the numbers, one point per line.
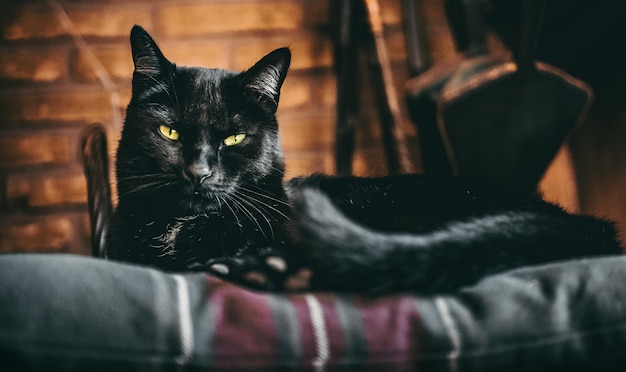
x=265, y=270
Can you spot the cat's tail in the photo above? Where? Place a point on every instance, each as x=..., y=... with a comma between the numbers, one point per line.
x=96, y=167
x=347, y=256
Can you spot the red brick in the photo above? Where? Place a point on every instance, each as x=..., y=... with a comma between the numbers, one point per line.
x=48, y=234
x=295, y=92
x=307, y=52
x=86, y=106
x=247, y=54
x=35, y=150
x=26, y=23
x=189, y=20
x=306, y=163
x=47, y=192
x=368, y=161
x=325, y=91
x=117, y=61
x=36, y=65
x=317, y=12
x=307, y=133
x=98, y=21
x=201, y=53
x=110, y=21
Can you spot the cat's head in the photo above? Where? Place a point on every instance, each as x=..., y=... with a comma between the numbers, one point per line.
x=193, y=136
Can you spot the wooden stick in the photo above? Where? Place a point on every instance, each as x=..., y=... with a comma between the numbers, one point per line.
x=398, y=155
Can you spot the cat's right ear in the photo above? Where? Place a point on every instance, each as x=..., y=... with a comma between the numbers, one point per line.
x=264, y=80
x=150, y=64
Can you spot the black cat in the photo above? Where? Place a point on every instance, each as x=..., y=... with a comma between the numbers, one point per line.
x=200, y=182
x=199, y=164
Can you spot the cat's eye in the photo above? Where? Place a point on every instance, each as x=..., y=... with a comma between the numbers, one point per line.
x=169, y=132
x=235, y=139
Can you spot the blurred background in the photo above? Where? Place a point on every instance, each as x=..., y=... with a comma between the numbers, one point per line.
x=66, y=64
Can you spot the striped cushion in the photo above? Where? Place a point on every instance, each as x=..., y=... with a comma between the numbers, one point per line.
x=63, y=312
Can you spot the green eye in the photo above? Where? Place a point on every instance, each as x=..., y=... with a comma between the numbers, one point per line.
x=169, y=132
x=235, y=139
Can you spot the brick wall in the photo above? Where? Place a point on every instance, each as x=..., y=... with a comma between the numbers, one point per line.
x=49, y=91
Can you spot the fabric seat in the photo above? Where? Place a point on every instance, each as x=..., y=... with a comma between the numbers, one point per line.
x=72, y=313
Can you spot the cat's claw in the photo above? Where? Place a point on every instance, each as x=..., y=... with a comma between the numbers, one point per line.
x=219, y=268
x=266, y=270
x=276, y=263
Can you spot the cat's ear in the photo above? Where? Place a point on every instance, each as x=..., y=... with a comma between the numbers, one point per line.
x=264, y=80
x=150, y=64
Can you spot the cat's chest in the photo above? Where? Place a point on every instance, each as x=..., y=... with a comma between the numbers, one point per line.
x=195, y=238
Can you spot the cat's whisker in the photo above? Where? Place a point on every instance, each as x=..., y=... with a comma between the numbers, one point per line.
x=244, y=199
x=230, y=208
x=142, y=187
x=250, y=215
x=219, y=202
x=266, y=196
x=269, y=206
x=147, y=176
x=246, y=211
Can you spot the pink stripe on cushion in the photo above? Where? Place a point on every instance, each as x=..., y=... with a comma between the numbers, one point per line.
x=376, y=332
x=245, y=335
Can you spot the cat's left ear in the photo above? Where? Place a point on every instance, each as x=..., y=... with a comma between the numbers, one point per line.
x=264, y=80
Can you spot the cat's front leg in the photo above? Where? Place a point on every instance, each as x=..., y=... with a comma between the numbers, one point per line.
x=265, y=269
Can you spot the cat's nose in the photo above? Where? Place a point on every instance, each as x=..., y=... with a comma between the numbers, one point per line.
x=198, y=173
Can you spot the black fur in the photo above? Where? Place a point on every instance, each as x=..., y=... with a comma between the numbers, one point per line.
x=196, y=204
x=457, y=252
